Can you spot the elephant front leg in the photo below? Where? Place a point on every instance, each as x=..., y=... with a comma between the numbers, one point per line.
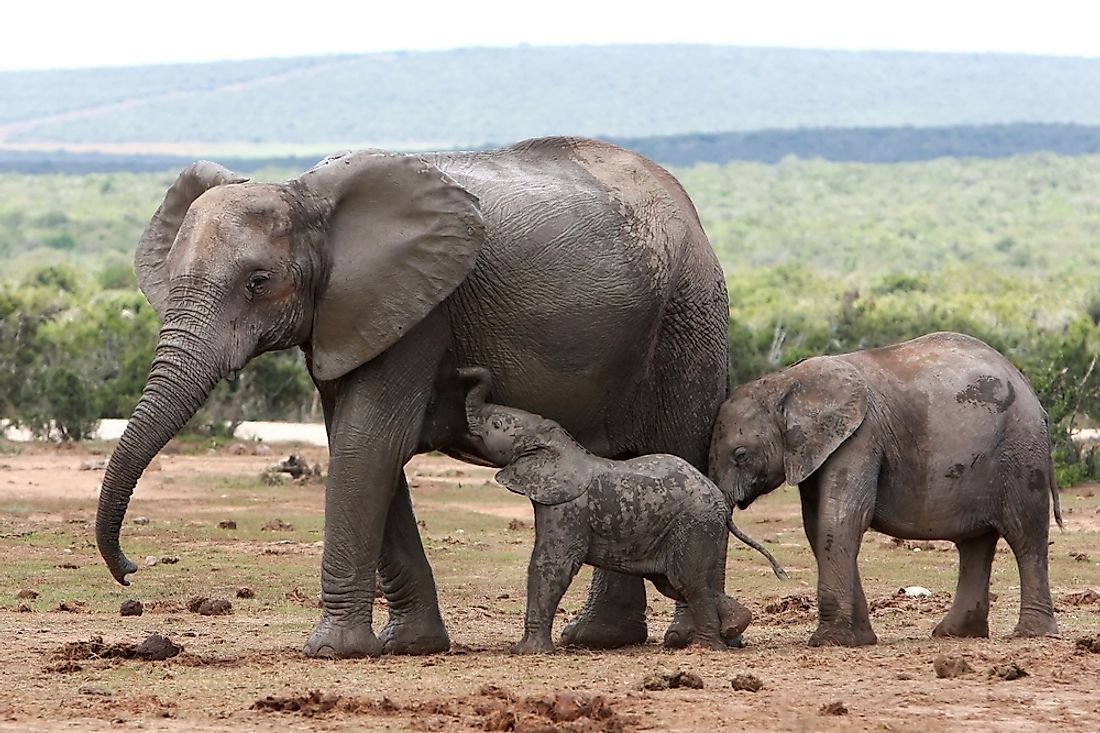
x=374, y=415
x=555, y=560
x=415, y=625
x=835, y=523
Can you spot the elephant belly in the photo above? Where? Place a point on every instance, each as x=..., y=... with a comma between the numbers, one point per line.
x=940, y=508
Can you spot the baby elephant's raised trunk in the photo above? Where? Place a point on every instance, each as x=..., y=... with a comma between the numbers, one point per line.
x=736, y=532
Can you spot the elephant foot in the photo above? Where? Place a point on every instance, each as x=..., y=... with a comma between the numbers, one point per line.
x=330, y=640
x=414, y=635
x=593, y=632
x=681, y=631
x=533, y=645
x=971, y=624
x=711, y=641
x=842, y=636
x=1036, y=625
x=735, y=619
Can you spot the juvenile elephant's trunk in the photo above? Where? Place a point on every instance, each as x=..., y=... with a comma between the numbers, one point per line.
x=183, y=374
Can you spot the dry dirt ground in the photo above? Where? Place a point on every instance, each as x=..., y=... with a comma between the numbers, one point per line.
x=245, y=671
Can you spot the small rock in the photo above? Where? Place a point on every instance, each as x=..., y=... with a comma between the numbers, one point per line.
x=277, y=525
x=238, y=449
x=26, y=595
x=71, y=606
x=655, y=681
x=1009, y=671
x=1079, y=556
x=947, y=667
x=227, y=524
x=150, y=561
x=516, y=524
x=92, y=466
x=261, y=449
x=141, y=521
x=917, y=591
x=94, y=690
x=24, y=608
x=169, y=560
x=747, y=683
x=246, y=593
x=834, y=708
x=157, y=647
x=131, y=608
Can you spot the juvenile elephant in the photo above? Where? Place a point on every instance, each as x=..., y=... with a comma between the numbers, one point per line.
x=578, y=268
x=939, y=437
x=655, y=516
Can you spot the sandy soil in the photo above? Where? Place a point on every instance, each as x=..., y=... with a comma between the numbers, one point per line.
x=245, y=670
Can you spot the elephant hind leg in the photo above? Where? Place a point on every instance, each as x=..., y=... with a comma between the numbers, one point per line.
x=613, y=616
x=969, y=614
x=1036, y=606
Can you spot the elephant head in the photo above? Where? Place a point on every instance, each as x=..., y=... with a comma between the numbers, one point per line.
x=341, y=261
x=541, y=460
x=783, y=426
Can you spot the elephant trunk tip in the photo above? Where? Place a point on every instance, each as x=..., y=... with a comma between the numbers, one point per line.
x=117, y=562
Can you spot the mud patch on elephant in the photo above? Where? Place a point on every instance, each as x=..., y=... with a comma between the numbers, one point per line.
x=988, y=391
x=491, y=708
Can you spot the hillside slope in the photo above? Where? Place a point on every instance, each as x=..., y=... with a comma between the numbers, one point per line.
x=477, y=96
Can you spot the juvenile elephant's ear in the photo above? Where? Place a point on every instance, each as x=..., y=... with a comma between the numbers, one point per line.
x=401, y=236
x=825, y=403
x=151, y=257
x=553, y=470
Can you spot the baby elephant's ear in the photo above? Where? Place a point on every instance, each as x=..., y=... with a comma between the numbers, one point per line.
x=825, y=404
x=547, y=478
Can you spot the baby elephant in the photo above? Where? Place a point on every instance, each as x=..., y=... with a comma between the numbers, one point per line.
x=935, y=438
x=654, y=516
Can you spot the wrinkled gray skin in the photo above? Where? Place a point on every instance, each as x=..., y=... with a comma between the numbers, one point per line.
x=935, y=438
x=577, y=268
x=655, y=516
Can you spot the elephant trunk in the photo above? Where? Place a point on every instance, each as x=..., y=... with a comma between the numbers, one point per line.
x=183, y=374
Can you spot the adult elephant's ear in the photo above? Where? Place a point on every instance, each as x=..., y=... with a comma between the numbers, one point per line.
x=825, y=403
x=151, y=257
x=552, y=472
x=401, y=235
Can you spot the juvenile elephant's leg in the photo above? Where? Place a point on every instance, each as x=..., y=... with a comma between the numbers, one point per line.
x=703, y=602
x=376, y=412
x=969, y=614
x=555, y=560
x=1029, y=545
x=613, y=615
x=414, y=625
x=836, y=514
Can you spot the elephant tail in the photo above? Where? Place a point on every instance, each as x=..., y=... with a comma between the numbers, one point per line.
x=736, y=532
x=1054, y=495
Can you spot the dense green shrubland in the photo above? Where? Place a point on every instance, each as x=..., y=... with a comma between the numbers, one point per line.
x=820, y=258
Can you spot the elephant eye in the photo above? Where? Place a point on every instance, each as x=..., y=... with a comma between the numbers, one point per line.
x=257, y=280
x=497, y=424
x=739, y=454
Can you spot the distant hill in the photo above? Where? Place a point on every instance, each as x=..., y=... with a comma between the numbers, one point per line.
x=852, y=144
x=472, y=97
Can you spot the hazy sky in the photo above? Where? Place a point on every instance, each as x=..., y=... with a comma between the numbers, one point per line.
x=67, y=33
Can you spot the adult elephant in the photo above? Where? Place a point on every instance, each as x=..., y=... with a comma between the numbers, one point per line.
x=576, y=270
